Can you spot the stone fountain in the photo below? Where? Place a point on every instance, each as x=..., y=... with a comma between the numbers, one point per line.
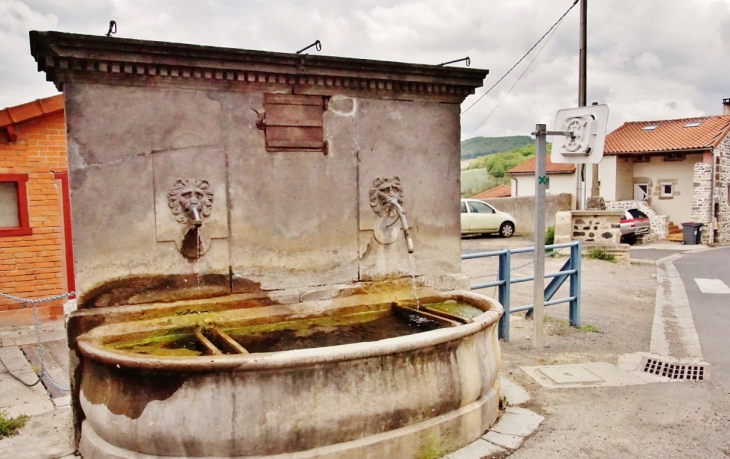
x=244, y=222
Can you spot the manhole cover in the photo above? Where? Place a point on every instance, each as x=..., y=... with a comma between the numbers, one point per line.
x=570, y=375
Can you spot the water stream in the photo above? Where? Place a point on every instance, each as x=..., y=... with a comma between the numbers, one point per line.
x=413, y=280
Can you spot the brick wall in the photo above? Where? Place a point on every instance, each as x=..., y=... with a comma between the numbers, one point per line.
x=33, y=266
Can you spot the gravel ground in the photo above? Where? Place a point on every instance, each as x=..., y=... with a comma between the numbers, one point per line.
x=662, y=420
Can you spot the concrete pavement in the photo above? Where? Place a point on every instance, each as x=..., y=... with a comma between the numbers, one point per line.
x=47, y=434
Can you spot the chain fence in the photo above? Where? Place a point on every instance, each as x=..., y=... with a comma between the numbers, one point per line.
x=41, y=372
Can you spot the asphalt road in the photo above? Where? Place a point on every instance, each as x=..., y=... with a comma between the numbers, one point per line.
x=711, y=311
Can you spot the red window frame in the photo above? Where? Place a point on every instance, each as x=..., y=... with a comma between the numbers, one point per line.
x=24, y=229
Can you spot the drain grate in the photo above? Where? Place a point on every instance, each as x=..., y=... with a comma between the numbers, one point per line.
x=675, y=370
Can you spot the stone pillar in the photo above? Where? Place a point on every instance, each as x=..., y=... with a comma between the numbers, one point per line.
x=702, y=198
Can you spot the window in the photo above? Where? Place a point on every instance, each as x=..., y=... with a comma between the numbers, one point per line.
x=479, y=207
x=293, y=122
x=650, y=127
x=666, y=189
x=641, y=191
x=463, y=207
x=635, y=213
x=14, y=205
x=674, y=157
x=641, y=159
x=692, y=124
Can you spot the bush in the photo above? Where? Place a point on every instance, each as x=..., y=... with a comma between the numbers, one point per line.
x=9, y=426
x=550, y=236
x=600, y=254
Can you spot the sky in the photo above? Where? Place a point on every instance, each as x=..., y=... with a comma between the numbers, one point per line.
x=647, y=60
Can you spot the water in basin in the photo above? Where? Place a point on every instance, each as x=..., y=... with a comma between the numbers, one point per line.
x=297, y=334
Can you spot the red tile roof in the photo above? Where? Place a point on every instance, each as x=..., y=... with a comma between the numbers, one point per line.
x=669, y=135
x=501, y=191
x=528, y=167
x=24, y=112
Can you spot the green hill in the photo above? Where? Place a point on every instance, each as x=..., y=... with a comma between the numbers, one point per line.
x=477, y=180
x=489, y=171
x=482, y=146
x=499, y=163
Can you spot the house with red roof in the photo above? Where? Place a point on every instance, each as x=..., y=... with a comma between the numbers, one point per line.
x=36, y=258
x=676, y=171
x=560, y=178
x=680, y=168
x=501, y=191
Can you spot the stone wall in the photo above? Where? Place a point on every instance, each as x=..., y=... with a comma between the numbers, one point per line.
x=659, y=223
x=522, y=208
x=289, y=161
x=722, y=192
x=596, y=226
x=702, y=201
x=588, y=226
x=702, y=197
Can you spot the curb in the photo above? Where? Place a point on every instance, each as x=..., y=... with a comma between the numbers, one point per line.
x=511, y=430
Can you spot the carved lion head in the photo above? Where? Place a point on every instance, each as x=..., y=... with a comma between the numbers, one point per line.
x=384, y=189
x=187, y=194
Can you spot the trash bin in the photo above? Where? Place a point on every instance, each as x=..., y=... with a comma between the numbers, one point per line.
x=691, y=233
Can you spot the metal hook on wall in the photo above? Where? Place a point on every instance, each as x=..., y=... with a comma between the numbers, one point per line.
x=317, y=44
x=112, y=28
x=466, y=60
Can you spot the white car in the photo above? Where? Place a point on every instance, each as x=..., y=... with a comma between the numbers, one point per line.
x=478, y=217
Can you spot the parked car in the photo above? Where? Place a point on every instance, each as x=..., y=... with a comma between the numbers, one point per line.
x=478, y=217
x=635, y=223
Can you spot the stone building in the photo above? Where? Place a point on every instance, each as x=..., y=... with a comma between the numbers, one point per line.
x=35, y=245
x=672, y=166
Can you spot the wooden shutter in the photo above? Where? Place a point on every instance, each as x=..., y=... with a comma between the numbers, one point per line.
x=294, y=122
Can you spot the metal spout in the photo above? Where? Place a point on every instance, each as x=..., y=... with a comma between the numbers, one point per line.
x=404, y=223
x=196, y=216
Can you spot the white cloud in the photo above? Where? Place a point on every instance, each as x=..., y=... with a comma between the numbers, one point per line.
x=648, y=60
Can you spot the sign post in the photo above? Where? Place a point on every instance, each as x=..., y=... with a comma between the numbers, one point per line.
x=581, y=135
x=538, y=335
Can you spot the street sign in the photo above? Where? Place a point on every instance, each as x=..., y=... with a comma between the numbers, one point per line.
x=588, y=126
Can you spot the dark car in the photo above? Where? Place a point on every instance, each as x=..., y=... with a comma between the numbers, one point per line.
x=635, y=223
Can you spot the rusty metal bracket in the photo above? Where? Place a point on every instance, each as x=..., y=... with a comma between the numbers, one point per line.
x=466, y=60
x=317, y=44
x=112, y=28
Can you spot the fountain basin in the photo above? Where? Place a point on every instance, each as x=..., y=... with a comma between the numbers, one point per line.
x=387, y=398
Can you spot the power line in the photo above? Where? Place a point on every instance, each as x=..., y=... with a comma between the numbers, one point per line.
x=523, y=57
x=518, y=79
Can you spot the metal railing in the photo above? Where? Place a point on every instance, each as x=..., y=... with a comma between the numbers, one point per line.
x=570, y=270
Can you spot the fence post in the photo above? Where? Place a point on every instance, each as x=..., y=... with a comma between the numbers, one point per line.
x=574, y=314
x=504, y=277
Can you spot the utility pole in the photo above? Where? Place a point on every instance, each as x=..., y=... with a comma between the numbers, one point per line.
x=582, y=102
x=582, y=85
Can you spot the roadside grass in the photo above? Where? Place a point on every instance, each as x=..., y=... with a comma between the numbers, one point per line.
x=562, y=327
x=600, y=254
x=433, y=447
x=9, y=426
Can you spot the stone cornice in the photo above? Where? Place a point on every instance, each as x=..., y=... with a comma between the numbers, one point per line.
x=95, y=59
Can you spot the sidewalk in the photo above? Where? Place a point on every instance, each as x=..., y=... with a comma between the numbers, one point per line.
x=48, y=432
x=677, y=419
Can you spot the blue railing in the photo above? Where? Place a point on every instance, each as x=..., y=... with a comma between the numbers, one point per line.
x=570, y=270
